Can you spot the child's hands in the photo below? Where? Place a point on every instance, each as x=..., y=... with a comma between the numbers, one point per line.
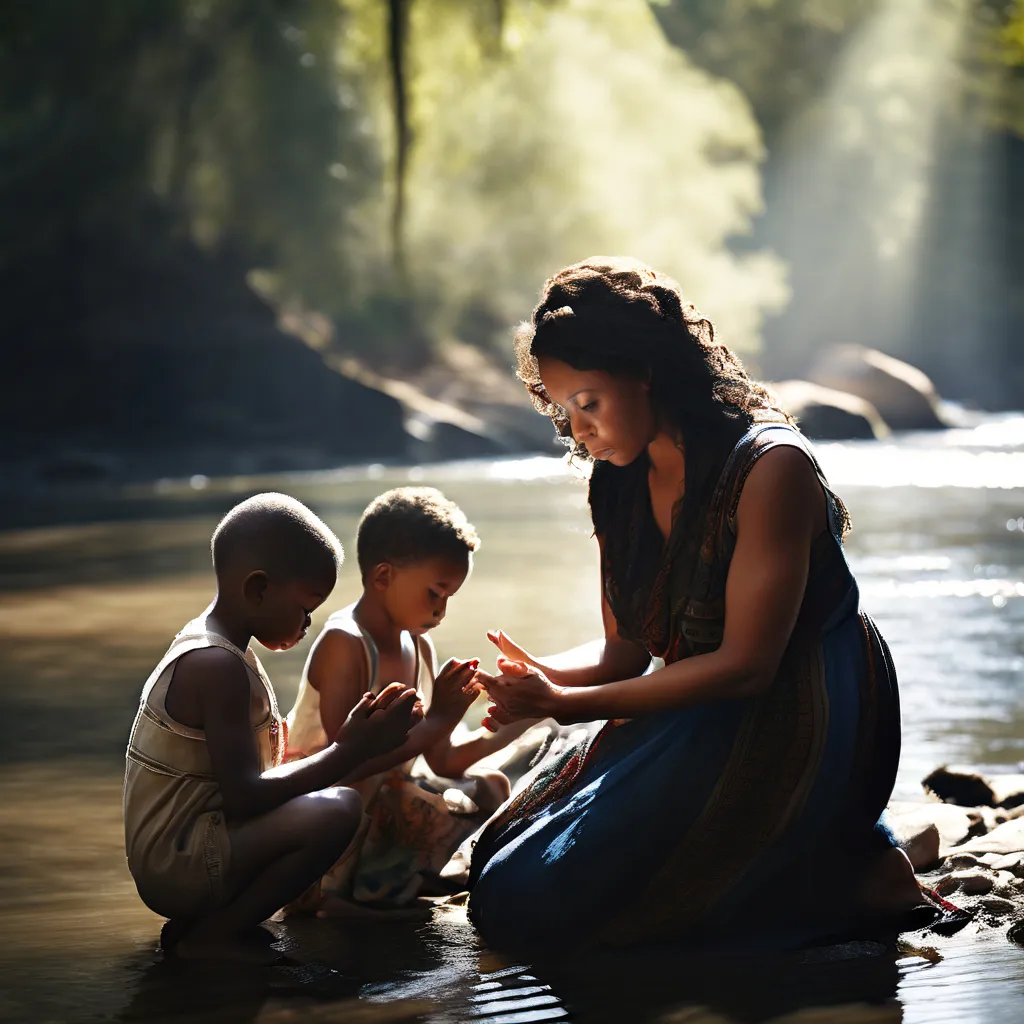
x=377, y=725
x=455, y=688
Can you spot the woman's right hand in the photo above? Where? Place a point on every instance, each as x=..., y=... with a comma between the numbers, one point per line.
x=509, y=648
x=377, y=725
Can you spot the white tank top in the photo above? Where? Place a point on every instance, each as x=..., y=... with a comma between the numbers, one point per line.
x=306, y=734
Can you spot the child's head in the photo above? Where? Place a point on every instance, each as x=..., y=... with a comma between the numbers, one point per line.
x=275, y=563
x=415, y=550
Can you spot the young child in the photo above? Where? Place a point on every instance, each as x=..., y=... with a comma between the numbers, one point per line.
x=415, y=551
x=218, y=833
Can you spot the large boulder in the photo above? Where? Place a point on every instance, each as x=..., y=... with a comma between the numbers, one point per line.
x=971, y=787
x=903, y=395
x=825, y=414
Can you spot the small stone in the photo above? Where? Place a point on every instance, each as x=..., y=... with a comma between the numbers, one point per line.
x=974, y=883
x=1007, y=790
x=1007, y=838
x=922, y=849
x=959, y=784
x=908, y=819
x=997, y=906
x=947, y=884
x=1016, y=933
x=989, y=859
x=1010, y=862
x=959, y=861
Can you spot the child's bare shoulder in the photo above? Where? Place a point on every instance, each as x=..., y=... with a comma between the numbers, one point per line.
x=208, y=674
x=338, y=648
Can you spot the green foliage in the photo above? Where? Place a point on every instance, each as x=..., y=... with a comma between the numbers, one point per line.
x=591, y=134
x=232, y=113
x=537, y=132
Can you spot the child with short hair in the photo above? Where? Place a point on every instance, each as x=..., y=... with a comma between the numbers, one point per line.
x=415, y=551
x=219, y=834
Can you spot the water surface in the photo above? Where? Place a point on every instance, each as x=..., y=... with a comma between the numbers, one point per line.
x=93, y=583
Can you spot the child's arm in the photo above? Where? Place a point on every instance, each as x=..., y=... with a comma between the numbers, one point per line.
x=454, y=691
x=337, y=671
x=219, y=685
x=451, y=759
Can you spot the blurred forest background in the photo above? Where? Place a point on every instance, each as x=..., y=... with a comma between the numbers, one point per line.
x=248, y=221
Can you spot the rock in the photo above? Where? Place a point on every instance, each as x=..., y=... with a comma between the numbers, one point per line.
x=971, y=787
x=825, y=414
x=1016, y=933
x=907, y=819
x=962, y=861
x=903, y=395
x=1007, y=790
x=996, y=906
x=1007, y=885
x=969, y=883
x=922, y=849
x=1012, y=862
x=960, y=785
x=1004, y=839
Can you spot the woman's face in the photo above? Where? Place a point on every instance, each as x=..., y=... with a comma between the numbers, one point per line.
x=612, y=416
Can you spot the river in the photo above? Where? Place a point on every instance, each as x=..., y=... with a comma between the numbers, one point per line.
x=94, y=582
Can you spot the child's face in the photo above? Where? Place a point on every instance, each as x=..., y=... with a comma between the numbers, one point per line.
x=285, y=611
x=416, y=595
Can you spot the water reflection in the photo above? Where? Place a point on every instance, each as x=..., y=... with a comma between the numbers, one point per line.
x=85, y=611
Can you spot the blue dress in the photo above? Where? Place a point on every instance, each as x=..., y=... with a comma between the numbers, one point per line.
x=713, y=823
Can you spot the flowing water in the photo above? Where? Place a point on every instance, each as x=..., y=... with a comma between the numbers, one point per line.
x=94, y=583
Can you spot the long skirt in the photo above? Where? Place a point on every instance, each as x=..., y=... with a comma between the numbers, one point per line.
x=737, y=822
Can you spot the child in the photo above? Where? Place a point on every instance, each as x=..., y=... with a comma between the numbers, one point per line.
x=218, y=833
x=415, y=551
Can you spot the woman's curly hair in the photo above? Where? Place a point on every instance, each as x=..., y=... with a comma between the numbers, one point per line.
x=613, y=313
x=617, y=315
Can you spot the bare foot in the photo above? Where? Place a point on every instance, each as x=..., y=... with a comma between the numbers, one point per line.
x=889, y=886
x=347, y=910
x=237, y=950
x=175, y=930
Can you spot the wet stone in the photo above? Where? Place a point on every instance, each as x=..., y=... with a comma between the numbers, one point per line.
x=996, y=906
x=1013, y=862
x=1007, y=838
x=969, y=883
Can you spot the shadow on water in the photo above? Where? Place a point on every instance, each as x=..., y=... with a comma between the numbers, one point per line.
x=440, y=974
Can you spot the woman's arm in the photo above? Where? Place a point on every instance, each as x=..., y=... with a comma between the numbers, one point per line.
x=452, y=758
x=599, y=661
x=781, y=511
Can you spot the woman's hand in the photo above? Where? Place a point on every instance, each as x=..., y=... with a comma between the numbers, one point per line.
x=455, y=688
x=520, y=692
x=509, y=648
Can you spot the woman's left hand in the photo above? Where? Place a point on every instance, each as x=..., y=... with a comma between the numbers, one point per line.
x=519, y=692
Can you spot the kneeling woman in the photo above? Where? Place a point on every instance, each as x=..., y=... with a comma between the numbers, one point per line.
x=735, y=793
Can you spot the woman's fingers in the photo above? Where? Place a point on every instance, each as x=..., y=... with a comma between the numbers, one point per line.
x=508, y=647
x=511, y=667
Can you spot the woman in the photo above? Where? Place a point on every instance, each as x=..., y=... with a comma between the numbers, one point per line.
x=735, y=792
